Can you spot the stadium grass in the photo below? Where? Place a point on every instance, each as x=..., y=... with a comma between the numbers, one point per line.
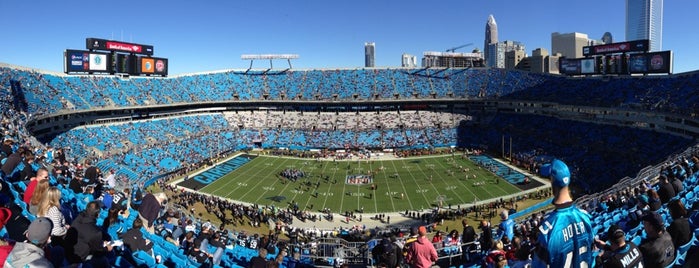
x=404, y=184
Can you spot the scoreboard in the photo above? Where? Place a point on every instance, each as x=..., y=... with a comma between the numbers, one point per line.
x=79, y=61
x=623, y=58
x=114, y=57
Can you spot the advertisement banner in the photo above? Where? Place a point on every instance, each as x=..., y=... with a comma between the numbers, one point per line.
x=147, y=65
x=161, y=66
x=98, y=62
x=623, y=47
x=77, y=61
x=570, y=66
x=659, y=62
x=111, y=45
x=638, y=63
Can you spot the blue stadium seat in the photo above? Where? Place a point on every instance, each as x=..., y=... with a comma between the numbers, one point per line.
x=143, y=258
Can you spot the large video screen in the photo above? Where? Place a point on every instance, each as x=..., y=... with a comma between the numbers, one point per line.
x=124, y=64
x=652, y=62
x=638, y=63
x=587, y=66
x=160, y=66
x=146, y=65
x=76, y=61
x=569, y=66
x=98, y=62
x=660, y=62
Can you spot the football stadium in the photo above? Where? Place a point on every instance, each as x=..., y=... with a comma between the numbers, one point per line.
x=287, y=148
x=117, y=163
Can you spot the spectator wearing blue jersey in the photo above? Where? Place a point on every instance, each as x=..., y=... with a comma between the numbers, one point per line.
x=565, y=236
x=506, y=227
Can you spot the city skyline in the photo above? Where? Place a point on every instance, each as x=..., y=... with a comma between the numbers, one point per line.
x=213, y=35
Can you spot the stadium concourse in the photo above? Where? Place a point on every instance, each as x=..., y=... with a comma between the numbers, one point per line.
x=103, y=140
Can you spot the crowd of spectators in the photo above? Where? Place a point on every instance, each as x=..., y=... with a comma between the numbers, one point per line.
x=600, y=155
x=75, y=92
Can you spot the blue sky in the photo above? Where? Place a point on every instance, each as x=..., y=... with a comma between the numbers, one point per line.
x=211, y=35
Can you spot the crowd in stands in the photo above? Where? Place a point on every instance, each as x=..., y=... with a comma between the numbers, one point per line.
x=74, y=92
x=598, y=154
x=673, y=94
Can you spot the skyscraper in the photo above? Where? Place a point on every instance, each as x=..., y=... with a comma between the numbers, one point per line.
x=491, y=37
x=644, y=20
x=369, y=54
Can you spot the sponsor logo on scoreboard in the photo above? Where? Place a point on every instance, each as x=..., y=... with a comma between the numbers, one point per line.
x=124, y=47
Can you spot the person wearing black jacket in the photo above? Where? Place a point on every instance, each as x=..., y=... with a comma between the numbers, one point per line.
x=665, y=189
x=28, y=170
x=679, y=229
x=259, y=261
x=12, y=162
x=468, y=236
x=150, y=208
x=91, y=173
x=6, y=147
x=486, y=237
x=76, y=185
x=90, y=241
x=133, y=238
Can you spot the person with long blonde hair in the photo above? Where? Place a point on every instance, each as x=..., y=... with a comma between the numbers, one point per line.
x=50, y=207
x=38, y=195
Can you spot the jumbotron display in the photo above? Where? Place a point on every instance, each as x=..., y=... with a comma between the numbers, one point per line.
x=114, y=57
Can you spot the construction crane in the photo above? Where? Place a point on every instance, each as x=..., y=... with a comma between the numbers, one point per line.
x=461, y=46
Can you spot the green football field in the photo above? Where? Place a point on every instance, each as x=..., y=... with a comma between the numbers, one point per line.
x=406, y=184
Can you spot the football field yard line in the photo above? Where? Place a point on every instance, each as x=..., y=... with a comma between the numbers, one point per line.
x=260, y=179
x=405, y=191
x=431, y=181
x=227, y=185
x=388, y=189
x=344, y=191
x=241, y=178
x=417, y=184
x=309, y=166
x=475, y=196
x=374, y=178
x=485, y=188
x=325, y=201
